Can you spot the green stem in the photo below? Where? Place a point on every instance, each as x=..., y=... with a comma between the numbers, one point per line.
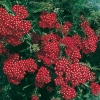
x=27, y=86
x=95, y=69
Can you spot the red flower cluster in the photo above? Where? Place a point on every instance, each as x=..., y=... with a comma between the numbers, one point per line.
x=15, y=69
x=77, y=41
x=68, y=93
x=65, y=28
x=89, y=43
x=49, y=50
x=13, y=27
x=67, y=67
x=42, y=77
x=74, y=44
x=59, y=81
x=61, y=66
x=48, y=20
x=75, y=73
x=58, y=26
x=34, y=97
x=72, y=47
x=95, y=88
x=67, y=70
x=79, y=74
x=70, y=73
x=20, y=11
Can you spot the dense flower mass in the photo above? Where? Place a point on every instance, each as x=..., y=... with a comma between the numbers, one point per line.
x=16, y=69
x=65, y=28
x=43, y=76
x=49, y=50
x=20, y=11
x=79, y=74
x=89, y=44
x=13, y=27
x=48, y=20
x=68, y=93
x=75, y=73
x=61, y=66
x=95, y=88
x=71, y=73
x=59, y=55
x=72, y=50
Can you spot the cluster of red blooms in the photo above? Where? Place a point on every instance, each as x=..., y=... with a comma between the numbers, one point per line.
x=48, y=20
x=79, y=74
x=95, y=88
x=68, y=93
x=67, y=69
x=64, y=29
x=74, y=73
x=42, y=77
x=12, y=27
x=72, y=47
x=74, y=44
x=88, y=43
x=34, y=97
x=61, y=66
x=16, y=69
x=49, y=50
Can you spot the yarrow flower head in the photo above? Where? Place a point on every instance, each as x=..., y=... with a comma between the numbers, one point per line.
x=48, y=20
x=13, y=27
x=95, y=88
x=16, y=69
